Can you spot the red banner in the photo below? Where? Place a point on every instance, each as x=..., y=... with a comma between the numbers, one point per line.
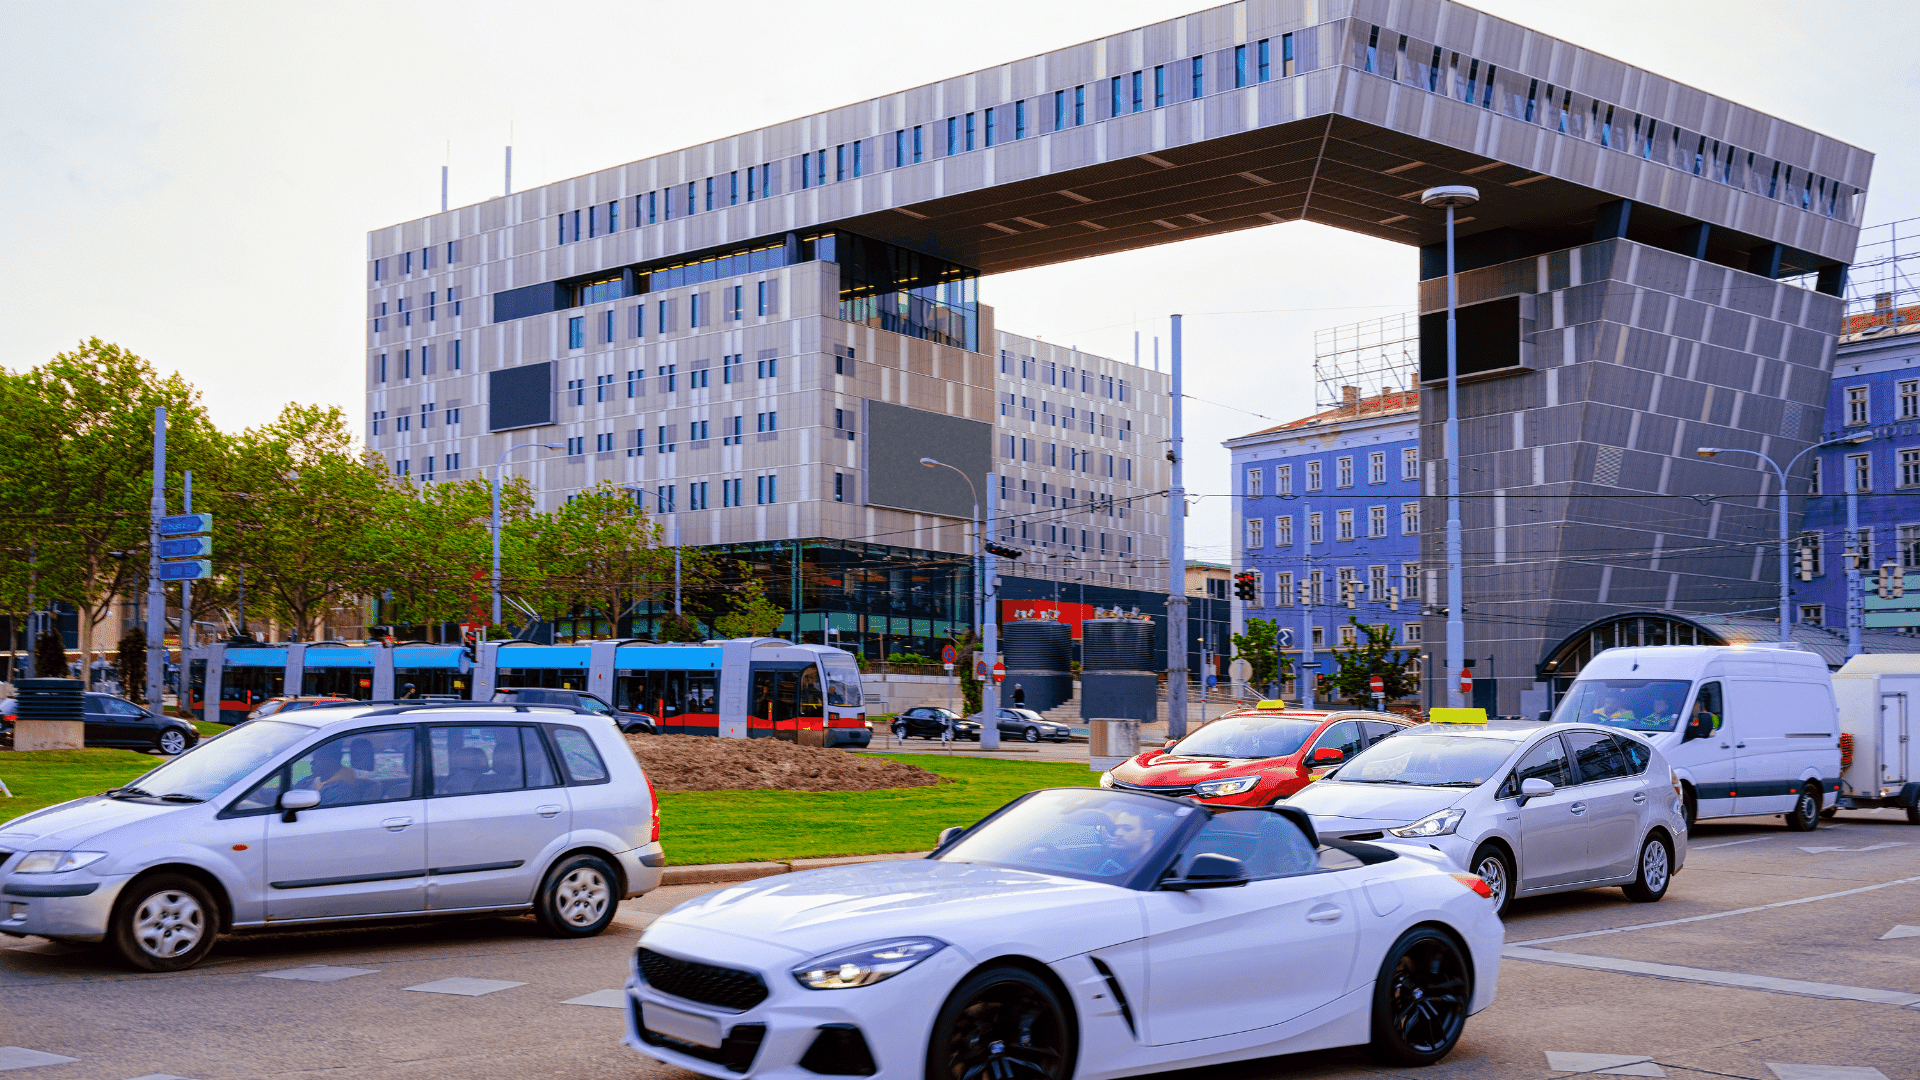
x=1071, y=614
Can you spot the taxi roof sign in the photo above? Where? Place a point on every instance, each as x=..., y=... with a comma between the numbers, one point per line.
x=1457, y=716
x=1270, y=703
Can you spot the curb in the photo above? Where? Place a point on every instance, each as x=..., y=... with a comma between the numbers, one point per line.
x=721, y=873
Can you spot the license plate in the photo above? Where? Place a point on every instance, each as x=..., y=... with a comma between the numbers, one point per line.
x=687, y=1027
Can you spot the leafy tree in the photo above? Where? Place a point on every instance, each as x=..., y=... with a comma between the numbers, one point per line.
x=599, y=554
x=50, y=656
x=435, y=544
x=750, y=614
x=970, y=690
x=1376, y=655
x=1258, y=649
x=680, y=628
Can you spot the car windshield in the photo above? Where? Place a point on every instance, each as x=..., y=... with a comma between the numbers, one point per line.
x=1634, y=704
x=1085, y=833
x=1428, y=761
x=843, y=682
x=216, y=764
x=1249, y=737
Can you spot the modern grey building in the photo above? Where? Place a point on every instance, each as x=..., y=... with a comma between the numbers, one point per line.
x=1633, y=267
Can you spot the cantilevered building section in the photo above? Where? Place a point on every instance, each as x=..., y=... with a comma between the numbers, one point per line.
x=1653, y=265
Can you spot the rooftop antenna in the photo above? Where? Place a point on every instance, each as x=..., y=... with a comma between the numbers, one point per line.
x=509, y=190
x=1156, y=352
x=1136, y=348
x=443, y=177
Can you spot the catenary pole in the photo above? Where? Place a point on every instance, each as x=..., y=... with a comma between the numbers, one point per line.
x=156, y=600
x=1853, y=567
x=1176, y=562
x=186, y=587
x=989, y=635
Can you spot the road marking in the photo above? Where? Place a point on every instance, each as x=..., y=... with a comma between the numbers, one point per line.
x=160, y=1076
x=315, y=973
x=1869, y=847
x=1826, y=1072
x=464, y=987
x=602, y=999
x=1611, y=1064
x=1720, y=914
x=19, y=1057
x=1730, y=843
x=1900, y=931
x=1716, y=978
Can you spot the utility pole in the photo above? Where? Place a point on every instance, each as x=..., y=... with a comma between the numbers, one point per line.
x=186, y=587
x=1853, y=561
x=1176, y=564
x=156, y=600
x=1307, y=679
x=989, y=636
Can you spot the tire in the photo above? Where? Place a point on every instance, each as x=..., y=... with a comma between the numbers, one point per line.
x=900, y=732
x=172, y=741
x=166, y=922
x=1690, y=807
x=1495, y=866
x=1420, y=998
x=1805, y=815
x=1656, y=871
x=1913, y=815
x=1033, y=734
x=577, y=898
x=1003, y=1022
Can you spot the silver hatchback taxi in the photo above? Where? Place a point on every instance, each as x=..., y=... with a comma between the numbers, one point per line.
x=343, y=813
x=1532, y=808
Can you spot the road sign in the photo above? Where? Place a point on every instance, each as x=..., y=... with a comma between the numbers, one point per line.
x=949, y=655
x=191, y=547
x=1377, y=685
x=1309, y=663
x=1212, y=679
x=1466, y=680
x=999, y=672
x=1285, y=637
x=979, y=668
x=186, y=571
x=1240, y=669
x=186, y=524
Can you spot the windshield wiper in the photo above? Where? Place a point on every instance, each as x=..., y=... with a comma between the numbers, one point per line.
x=1357, y=780
x=127, y=793
x=181, y=796
x=1455, y=783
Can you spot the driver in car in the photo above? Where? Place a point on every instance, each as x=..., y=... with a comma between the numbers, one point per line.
x=1129, y=840
x=1612, y=708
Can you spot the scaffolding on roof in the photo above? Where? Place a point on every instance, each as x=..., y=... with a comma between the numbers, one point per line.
x=1883, y=284
x=1371, y=358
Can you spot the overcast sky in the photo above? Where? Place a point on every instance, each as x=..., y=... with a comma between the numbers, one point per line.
x=195, y=181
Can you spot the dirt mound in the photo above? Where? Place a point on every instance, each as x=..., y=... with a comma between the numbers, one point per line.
x=704, y=763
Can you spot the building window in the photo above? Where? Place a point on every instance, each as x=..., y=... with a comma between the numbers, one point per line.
x=1118, y=102
x=693, y=310
x=1410, y=464
x=1343, y=524
x=577, y=332
x=1862, y=471
x=1313, y=476
x=1254, y=538
x=736, y=297
x=1199, y=76
x=1283, y=479
x=1159, y=85
x=1910, y=400
x=1253, y=483
x=1265, y=58
x=1240, y=69
x=1319, y=632
x=378, y=419
x=576, y=391
x=1813, y=614
x=1282, y=590
x=1413, y=632
x=969, y=131
x=1346, y=631
x=1410, y=519
x=992, y=126
x=602, y=387
x=768, y=368
x=453, y=462
x=1856, y=407
x=1283, y=531
x=767, y=421
x=1376, y=522
x=1863, y=548
x=1410, y=581
x=766, y=489
x=839, y=487
x=1377, y=584
x=1343, y=472
x=452, y=419
x=576, y=446
x=1315, y=534
x=1079, y=105
x=761, y=303
x=1377, y=468
x=603, y=442
x=1909, y=468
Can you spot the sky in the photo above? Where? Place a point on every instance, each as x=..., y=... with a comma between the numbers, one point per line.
x=195, y=181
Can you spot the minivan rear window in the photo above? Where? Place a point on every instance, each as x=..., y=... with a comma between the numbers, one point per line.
x=577, y=753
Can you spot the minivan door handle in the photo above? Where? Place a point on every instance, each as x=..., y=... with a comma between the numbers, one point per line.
x=548, y=810
x=1578, y=808
x=1739, y=746
x=1639, y=796
x=395, y=824
x=1325, y=913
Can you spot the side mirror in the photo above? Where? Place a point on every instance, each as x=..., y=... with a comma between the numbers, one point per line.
x=1210, y=871
x=1329, y=755
x=1169, y=744
x=950, y=834
x=293, y=802
x=1534, y=787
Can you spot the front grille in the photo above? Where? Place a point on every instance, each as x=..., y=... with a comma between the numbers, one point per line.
x=1174, y=791
x=724, y=988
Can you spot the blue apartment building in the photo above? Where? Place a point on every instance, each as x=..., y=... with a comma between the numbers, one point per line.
x=1327, y=500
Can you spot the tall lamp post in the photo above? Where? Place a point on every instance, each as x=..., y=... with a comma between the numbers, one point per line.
x=498, y=464
x=1786, y=621
x=989, y=628
x=1451, y=196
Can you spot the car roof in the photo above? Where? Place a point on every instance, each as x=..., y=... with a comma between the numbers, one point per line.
x=1319, y=714
x=1512, y=730
x=330, y=716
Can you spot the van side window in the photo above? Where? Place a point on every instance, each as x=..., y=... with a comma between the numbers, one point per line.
x=1706, y=715
x=577, y=754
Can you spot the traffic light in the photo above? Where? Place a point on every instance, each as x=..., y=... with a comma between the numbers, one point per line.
x=1243, y=586
x=1349, y=593
x=1393, y=598
x=1305, y=592
x=1891, y=584
x=1806, y=564
x=1003, y=550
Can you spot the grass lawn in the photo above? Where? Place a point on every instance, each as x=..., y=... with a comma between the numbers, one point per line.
x=40, y=778
x=747, y=826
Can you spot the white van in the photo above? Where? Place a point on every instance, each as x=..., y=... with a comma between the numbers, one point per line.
x=1879, y=697
x=1749, y=729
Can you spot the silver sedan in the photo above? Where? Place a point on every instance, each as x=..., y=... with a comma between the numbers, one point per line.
x=1532, y=808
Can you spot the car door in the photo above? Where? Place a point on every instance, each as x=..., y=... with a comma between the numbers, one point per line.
x=1376, y=730
x=100, y=728
x=133, y=725
x=1553, y=843
x=1222, y=961
x=1706, y=753
x=1347, y=736
x=494, y=809
x=1614, y=799
x=363, y=850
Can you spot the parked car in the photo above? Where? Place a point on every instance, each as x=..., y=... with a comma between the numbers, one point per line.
x=274, y=705
x=930, y=722
x=1531, y=808
x=1022, y=948
x=1253, y=757
x=1031, y=726
x=629, y=723
x=115, y=721
x=346, y=812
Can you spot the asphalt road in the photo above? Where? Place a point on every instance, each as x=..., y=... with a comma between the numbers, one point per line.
x=1776, y=956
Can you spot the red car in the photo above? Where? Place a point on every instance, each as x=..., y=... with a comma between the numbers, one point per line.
x=1254, y=757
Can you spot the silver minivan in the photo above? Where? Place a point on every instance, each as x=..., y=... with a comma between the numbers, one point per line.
x=358, y=812
x=1532, y=808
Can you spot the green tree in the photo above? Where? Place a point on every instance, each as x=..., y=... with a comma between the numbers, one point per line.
x=1257, y=648
x=749, y=614
x=50, y=656
x=131, y=663
x=598, y=554
x=435, y=548
x=1375, y=655
x=970, y=690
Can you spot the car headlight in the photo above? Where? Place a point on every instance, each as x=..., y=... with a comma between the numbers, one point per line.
x=1106, y=779
x=54, y=862
x=1233, y=786
x=865, y=965
x=1440, y=824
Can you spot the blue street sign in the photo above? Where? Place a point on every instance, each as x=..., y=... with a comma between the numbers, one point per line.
x=186, y=524
x=191, y=547
x=186, y=571
x=1286, y=637
x=1212, y=679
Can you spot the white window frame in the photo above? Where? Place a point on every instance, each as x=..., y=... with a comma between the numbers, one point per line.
x=1813, y=614
x=1376, y=522
x=1377, y=583
x=1255, y=531
x=1254, y=483
x=1377, y=467
x=1316, y=528
x=1347, y=635
x=1283, y=479
x=1343, y=471
x=1410, y=581
x=1410, y=519
x=1283, y=590
x=1313, y=476
x=1343, y=524
x=1860, y=471
x=1410, y=464
x=1283, y=531
x=1859, y=406
x=1907, y=543
x=1909, y=460
x=1412, y=634
x=1910, y=399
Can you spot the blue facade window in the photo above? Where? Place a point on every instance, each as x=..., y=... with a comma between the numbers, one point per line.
x=990, y=126
x=918, y=149
x=1266, y=69
x=856, y=157
x=1059, y=119
x=1199, y=76
x=1079, y=105
x=1240, y=66
x=840, y=162
x=969, y=131
x=1139, y=97
x=1159, y=86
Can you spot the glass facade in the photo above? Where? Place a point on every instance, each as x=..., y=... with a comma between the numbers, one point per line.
x=894, y=289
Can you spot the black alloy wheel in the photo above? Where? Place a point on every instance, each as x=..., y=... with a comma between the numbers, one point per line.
x=1002, y=1023
x=1805, y=816
x=1420, y=998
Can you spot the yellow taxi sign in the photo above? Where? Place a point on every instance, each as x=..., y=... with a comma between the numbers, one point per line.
x=1270, y=703
x=1457, y=716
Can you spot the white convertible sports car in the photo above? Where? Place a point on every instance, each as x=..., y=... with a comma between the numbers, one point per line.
x=1073, y=933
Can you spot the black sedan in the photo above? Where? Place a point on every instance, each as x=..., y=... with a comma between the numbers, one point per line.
x=115, y=721
x=930, y=722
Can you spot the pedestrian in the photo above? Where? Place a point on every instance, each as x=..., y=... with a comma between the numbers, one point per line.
x=97, y=670
x=1019, y=695
x=407, y=691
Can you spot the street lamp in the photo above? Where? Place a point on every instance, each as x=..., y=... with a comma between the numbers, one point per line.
x=1450, y=196
x=1786, y=624
x=498, y=464
x=982, y=596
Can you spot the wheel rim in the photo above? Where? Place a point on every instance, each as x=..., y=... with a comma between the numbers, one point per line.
x=1809, y=810
x=1009, y=1031
x=169, y=924
x=172, y=742
x=582, y=897
x=1429, y=996
x=899, y=731
x=1653, y=866
x=1493, y=871
x=1033, y=735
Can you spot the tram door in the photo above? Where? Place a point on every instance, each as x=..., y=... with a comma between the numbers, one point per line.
x=786, y=704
